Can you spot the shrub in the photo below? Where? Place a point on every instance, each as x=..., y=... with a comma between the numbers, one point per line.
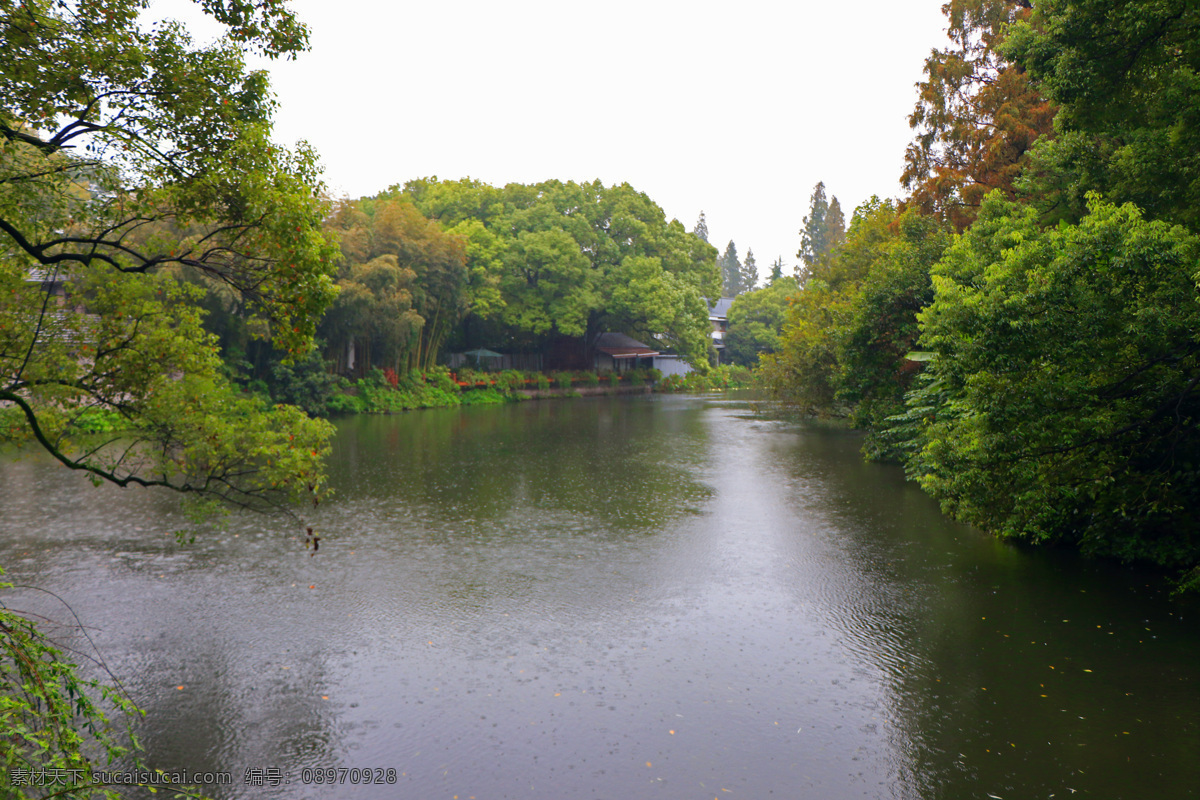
x=671, y=383
x=440, y=378
x=305, y=383
x=510, y=380
x=341, y=403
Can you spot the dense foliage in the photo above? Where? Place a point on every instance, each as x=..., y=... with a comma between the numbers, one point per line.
x=755, y=319
x=137, y=175
x=1066, y=363
x=403, y=283
x=551, y=265
x=135, y=169
x=1126, y=77
x=1037, y=372
x=977, y=117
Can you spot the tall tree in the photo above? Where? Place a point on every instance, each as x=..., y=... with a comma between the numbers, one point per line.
x=1125, y=76
x=701, y=229
x=731, y=271
x=835, y=224
x=749, y=272
x=824, y=229
x=776, y=270
x=977, y=115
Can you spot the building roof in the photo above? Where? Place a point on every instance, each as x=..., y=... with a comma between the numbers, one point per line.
x=720, y=309
x=618, y=345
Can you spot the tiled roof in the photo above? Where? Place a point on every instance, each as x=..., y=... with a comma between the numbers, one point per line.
x=618, y=345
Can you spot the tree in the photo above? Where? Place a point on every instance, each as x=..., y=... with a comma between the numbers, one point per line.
x=1125, y=78
x=876, y=373
x=835, y=224
x=731, y=270
x=701, y=229
x=177, y=177
x=749, y=278
x=1067, y=362
x=133, y=164
x=824, y=229
x=807, y=367
x=553, y=264
x=776, y=270
x=755, y=319
x=977, y=116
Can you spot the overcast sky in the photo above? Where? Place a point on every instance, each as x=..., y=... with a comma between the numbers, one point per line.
x=736, y=109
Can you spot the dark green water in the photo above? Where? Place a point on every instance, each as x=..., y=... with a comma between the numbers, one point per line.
x=617, y=598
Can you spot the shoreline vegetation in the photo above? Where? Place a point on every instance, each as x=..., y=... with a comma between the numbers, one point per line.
x=385, y=392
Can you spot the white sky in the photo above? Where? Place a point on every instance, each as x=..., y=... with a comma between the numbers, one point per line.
x=734, y=108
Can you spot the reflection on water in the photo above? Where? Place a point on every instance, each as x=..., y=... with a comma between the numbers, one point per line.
x=613, y=598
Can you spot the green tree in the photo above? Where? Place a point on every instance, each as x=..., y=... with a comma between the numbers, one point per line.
x=130, y=162
x=701, y=229
x=755, y=320
x=731, y=271
x=876, y=373
x=1126, y=77
x=776, y=270
x=749, y=278
x=556, y=263
x=176, y=141
x=824, y=229
x=807, y=368
x=1067, y=361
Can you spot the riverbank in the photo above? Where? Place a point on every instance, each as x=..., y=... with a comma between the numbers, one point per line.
x=384, y=392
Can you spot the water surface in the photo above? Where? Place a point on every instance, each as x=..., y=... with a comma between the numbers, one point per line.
x=613, y=598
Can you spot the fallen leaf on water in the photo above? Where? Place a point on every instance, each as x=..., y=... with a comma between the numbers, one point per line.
x=647, y=763
x=671, y=732
x=180, y=688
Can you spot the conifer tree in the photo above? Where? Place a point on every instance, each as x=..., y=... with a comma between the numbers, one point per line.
x=835, y=224
x=824, y=228
x=812, y=235
x=749, y=273
x=731, y=270
x=701, y=230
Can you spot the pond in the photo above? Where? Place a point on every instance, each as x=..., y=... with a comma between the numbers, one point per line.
x=613, y=598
